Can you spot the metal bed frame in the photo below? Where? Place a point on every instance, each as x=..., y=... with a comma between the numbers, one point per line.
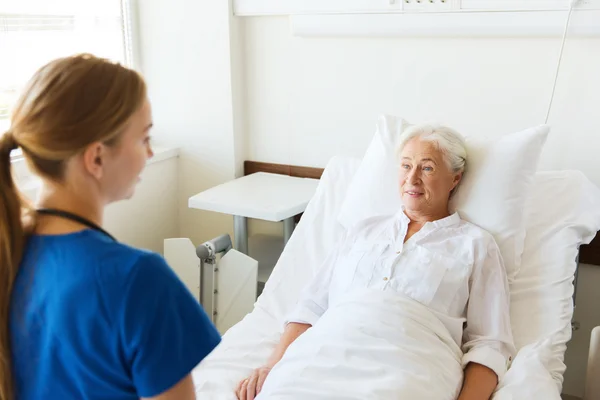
x=207, y=253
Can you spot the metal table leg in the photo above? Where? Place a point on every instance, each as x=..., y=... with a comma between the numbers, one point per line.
x=240, y=231
x=288, y=229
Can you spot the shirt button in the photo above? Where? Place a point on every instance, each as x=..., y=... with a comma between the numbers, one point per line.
x=385, y=279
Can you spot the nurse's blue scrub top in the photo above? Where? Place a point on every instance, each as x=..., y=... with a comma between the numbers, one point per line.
x=95, y=319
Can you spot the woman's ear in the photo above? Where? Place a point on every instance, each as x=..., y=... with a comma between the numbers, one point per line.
x=456, y=180
x=94, y=158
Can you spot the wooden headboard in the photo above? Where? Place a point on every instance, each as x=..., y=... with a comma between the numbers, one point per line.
x=251, y=167
x=589, y=254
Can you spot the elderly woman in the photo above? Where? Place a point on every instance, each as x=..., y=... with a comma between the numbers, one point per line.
x=423, y=253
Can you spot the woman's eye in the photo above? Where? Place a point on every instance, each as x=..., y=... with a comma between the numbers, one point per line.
x=405, y=166
x=428, y=169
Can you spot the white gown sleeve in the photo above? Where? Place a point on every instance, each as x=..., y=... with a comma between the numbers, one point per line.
x=487, y=337
x=314, y=298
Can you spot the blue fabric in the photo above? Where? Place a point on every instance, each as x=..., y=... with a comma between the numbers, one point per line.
x=95, y=319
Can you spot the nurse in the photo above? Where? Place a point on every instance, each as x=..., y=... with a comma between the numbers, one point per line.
x=83, y=316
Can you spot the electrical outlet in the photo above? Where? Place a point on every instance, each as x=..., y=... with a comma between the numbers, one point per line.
x=430, y=5
x=588, y=5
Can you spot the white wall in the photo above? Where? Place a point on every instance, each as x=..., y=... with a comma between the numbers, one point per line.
x=143, y=221
x=151, y=216
x=308, y=99
x=189, y=56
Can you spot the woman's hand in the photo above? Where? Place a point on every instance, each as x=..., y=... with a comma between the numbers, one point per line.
x=250, y=387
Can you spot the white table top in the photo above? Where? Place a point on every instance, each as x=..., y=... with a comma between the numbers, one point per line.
x=262, y=195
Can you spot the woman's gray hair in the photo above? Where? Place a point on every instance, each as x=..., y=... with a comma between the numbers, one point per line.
x=448, y=141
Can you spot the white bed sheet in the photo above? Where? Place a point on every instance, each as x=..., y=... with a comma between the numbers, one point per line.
x=370, y=344
x=249, y=343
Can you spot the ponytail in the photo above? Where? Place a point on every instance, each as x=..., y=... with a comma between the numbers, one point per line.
x=69, y=104
x=12, y=242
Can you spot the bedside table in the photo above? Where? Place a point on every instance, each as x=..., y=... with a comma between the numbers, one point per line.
x=266, y=196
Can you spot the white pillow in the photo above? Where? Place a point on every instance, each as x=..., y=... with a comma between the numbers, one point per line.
x=492, y=194
x=311, y=242
x=374, y=190
x=562, y=213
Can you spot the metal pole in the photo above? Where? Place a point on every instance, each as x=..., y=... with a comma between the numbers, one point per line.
x=208, y=285
x=201, y=287
x=288, y=229
x=240, y=233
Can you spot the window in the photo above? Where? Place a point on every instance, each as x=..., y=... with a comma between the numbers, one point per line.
x=33, y=32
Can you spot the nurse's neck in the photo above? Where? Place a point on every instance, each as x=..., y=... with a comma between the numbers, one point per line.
x=78, y=201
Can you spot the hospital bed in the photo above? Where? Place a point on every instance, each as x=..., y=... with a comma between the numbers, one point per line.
x=541, y=303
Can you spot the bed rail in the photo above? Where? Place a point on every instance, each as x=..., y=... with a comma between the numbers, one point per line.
x=207, y=253
x=221, y=278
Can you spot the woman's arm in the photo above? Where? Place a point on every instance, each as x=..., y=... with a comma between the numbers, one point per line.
x=292, y=331
x=479, y=383
x=313, y=302
x=487, y=340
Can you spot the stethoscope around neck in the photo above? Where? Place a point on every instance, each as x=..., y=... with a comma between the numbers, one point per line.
x=75, y=218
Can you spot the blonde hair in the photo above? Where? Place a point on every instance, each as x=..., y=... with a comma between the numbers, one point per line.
x=69, y=104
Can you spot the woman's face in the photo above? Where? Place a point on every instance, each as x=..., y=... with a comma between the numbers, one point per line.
x=425, y=178
x=126, y=160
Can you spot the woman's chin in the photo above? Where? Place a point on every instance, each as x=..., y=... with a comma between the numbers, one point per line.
x=129, y=194
x=412, y=204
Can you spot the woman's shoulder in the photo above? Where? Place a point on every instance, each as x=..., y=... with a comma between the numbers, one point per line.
x=476, y=233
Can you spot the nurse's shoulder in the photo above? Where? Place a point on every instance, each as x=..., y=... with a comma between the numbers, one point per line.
x=118, y=263
x=164, y=331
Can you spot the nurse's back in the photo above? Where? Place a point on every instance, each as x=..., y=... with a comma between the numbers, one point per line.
x=83, y=316
x=94, y=319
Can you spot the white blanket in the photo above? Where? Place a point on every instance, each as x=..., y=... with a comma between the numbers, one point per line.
x=529, y=377
x=370, y=345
